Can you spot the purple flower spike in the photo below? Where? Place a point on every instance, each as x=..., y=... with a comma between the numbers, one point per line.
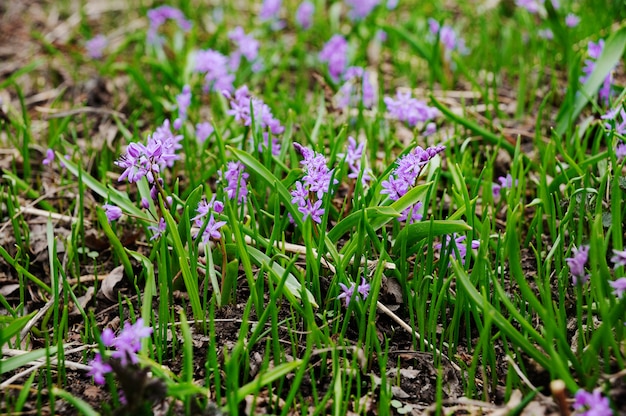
x=49, y=157
x=619, y=286
x=112, y=212
x=95, y=46
x=346, y=293
x=203, y=131
x=571, y=20
x=99, y=369
x=158, y=229
x=363, y=288
x=159, y=16
x=591, y=404
x=304, y=14
x=360, y=9
x=128, y=342
x=335, y=54
x=619, y=257
x=270, y=9
x=577, y=263
x=315, y=211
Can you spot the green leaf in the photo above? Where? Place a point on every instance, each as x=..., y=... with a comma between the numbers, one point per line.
x=266, y=378
x=9, y=331
x=613, y=51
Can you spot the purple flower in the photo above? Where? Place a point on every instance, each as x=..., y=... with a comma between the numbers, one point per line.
x=408, y=109
x=184, y=101
x=619, y=258
x=246, y=44
x=112, y=212
x=98, y=369
x=270, y=9
x=594, y=50
x=357, y=89
x=363, y=288
x=619, y=127
x=128, y=342
x=346, y=293
x=577, y=263
x=300, y=195
x=212, y=230
x=335, y=54
x=95, y=46
x=304, y=14
x=592, y=404
x=392, y=4
x=159, y=16
x=619, y=286
x=413, y=213
x=203, y=131
x=360, y=9
x=217, y=73
x=49, y=157
x=505, y=182
x=315, y=211
x=236, y=186
x=571, y=20
x=458, y=242
x=240, y=104
x=158, y=229
x=545, y=34
x=531, y=5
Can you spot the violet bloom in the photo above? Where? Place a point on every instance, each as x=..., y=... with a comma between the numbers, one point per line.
x=212, y=230
x=158, y=229
x=49, y=157
x=203, y=131
x=184, y=101
x=412, y=214
x=360, y=9
x=619, y=258
x=241, y=102
x=594, y=50
x=353, y=155
x=363, y=288
x=235, y=178
x=98, y=369
x=128, y=342
x=112, y=212
x=314, y=210
x=592, y=404
x=357, y=89
x=408, y=109
x=95, y=46
x=545, y=34
x=159, y=16
x=335, y=54
x=270, y=9
x=619, y=286
x=346, y=293
x=577, y=263
x=571, y=20
x=531, y=5
x=215, y=66
x=616, y=126
x=460, y=244
x=304, y=14
x=504, y=182
x=246, y=44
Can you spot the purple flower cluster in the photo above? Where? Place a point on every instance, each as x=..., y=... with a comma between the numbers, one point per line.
x=49, y=157
x=159, y=16
x=532, y=6
x=353, y=159
x=347, y=292
x=304, y=14
x=504, y=182
x=594, y=50
x=409, y=109
x=316, y=182
x=448, y=38
x=215, y=66
x=112, y=212
x=616, y=126
x=335, y=54
x=95, y=46
x=148, y=160
x=571, y=20
x=577, y=263
x=241, y=104
x=126, y=346
x=247, y=46
x=208, y=209
x=591, y=404
x=356, y=89
x=203, y=131
x=360, y=9
x=405, y=175
x=460, y=245
x=270, y=9
x=184, y=101
x=235, y=178
x=158, y=230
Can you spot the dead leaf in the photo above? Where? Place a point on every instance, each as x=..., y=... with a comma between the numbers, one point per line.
x=6, y=290
x=109, y=282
